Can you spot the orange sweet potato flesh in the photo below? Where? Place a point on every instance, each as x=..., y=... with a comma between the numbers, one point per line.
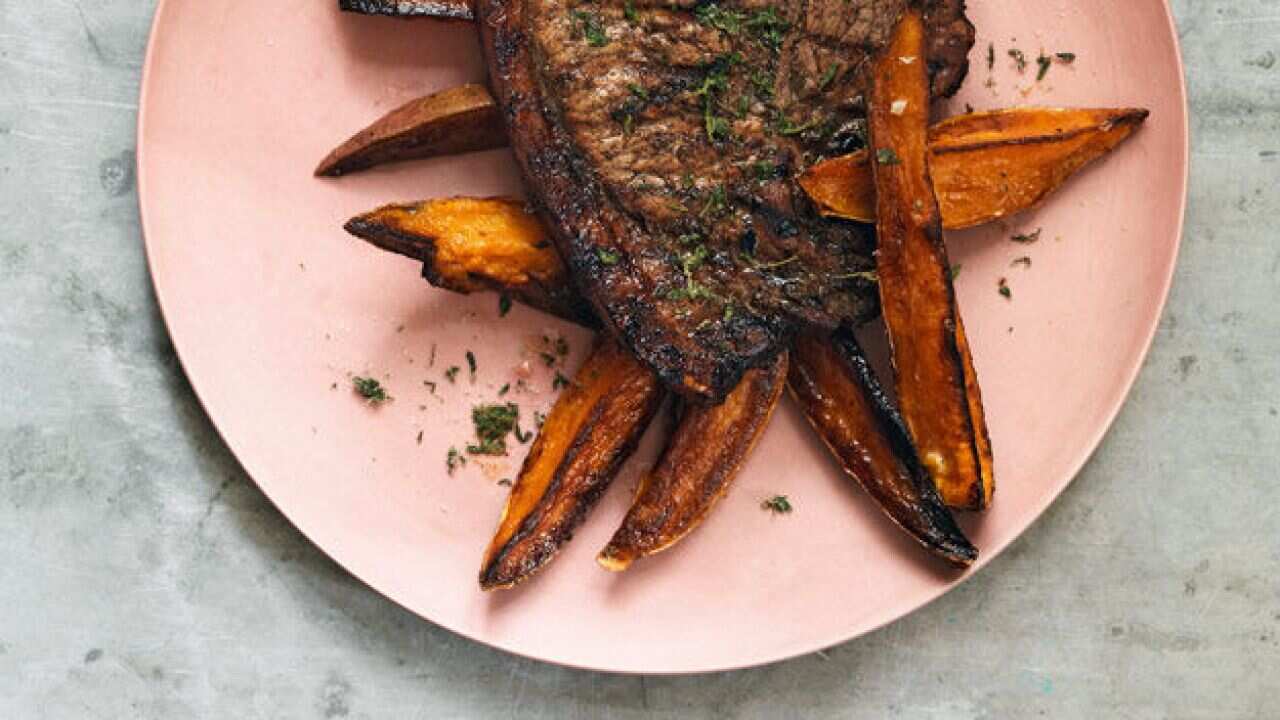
x=937, y=387
x=835, y=386
x=985, y=166
x=478, y=244
x=593, y=427
x=697, y=466
x=460, y=119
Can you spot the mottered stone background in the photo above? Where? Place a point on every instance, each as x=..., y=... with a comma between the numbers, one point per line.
x=142, y=575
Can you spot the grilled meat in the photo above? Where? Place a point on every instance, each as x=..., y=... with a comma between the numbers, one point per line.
x=662, y=138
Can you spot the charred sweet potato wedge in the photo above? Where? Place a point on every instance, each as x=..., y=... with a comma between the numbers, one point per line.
x=985, y=166
x=838, y=391
x=937, y=388
x=440, y=9
x=457, y=120
x=593, y=427
x=699, y=462
x=474, y=244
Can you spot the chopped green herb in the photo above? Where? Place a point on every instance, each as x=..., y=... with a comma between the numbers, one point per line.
x=768, y=27
x=591, y=30
x=505, y=482
x=1024, y=261
x=430, y=386
x=1027, y=238
x=638, y=91
x=991, y=56
x=968, y=108
x=717, y=202
x=538, y=419
x=547, y=358
x=727, y=21
x=713, y=83
x=452, y=373
x=1019, y=59
x=608, y=256
x=1003, y=288
x=886, y=156
x=763, y=84
x=693, y=259
x=561, y=346
x=370, y=389
x=628, y=123
x=454, y=459
x=492, y=425
x=717, y=128
x=778, y=505
x=1044, y=63
x=629, y=12
x=1066, y=58
x=559, y=381
x=786, y=126
x=521, y=435
x=471, y=363
x=420, y=437
x=828, y=76
x=955, y=270
x=504, y=305
x=744, y=106
x=504, y=389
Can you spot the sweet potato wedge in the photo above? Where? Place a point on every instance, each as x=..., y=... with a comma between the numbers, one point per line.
x=474, y=244
x=838, y=391
x=937, y=388
x=985, y=165
x=457, y=120
x=440, y=9
x=885, y=465
x=593, y=427
x=699, y=462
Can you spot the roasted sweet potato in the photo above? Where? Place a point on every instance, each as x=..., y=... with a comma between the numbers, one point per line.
x=440, y=9
x=457, y=120
x=700, y=461
x=593, y=427
x=985, y=165
x=839, y=393
x=472, y=244
x=937, y=388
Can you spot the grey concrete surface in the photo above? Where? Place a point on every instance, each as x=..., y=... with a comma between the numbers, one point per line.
x=142, y=575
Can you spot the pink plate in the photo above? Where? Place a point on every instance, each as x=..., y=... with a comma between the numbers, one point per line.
x=272, y=307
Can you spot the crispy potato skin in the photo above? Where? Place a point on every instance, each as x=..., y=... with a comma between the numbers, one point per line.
x=985, y=166
x=835, y=386
x=593, y=427
x=937, y=388
x=476, y=244
x=701, y=459
x=457, y=120
x=438, y=9
x=837, y=391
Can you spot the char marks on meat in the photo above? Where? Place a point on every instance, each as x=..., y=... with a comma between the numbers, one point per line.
x=661, y=139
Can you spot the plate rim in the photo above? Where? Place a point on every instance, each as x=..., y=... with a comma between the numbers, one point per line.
x=1129, y=377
